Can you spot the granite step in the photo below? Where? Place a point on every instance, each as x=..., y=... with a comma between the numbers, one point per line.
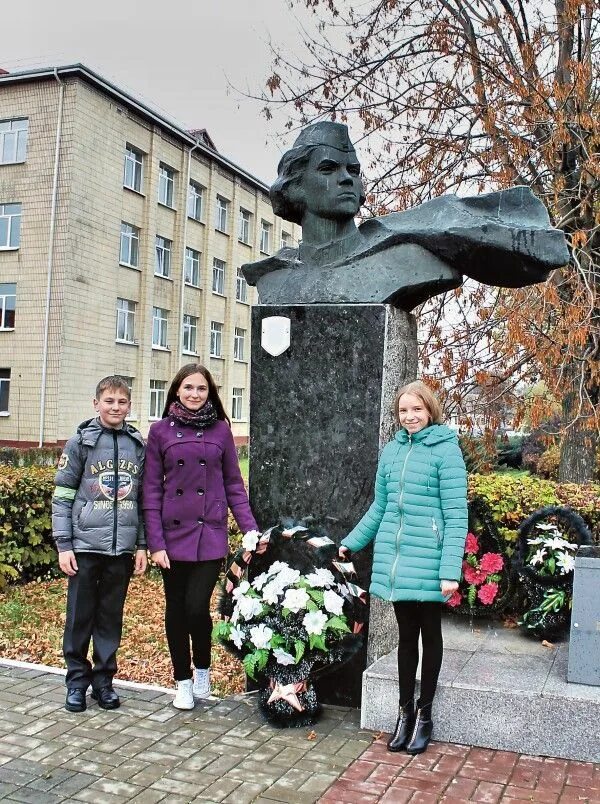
x=497, y=689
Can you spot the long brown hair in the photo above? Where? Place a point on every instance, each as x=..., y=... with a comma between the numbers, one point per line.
x=213, y=394
x=427, y=397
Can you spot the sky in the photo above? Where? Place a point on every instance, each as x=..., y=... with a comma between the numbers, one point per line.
x=189, y=60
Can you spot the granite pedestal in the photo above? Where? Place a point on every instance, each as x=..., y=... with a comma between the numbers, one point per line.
x=497, y=689
x=320, y=414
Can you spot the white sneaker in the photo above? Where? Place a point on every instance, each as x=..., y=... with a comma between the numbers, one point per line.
x=202, y=683
x=184, y=697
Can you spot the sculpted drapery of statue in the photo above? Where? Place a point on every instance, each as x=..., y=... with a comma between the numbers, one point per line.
x=502, y=238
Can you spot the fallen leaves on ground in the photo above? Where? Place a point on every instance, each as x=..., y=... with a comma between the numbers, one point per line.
x=32, y=620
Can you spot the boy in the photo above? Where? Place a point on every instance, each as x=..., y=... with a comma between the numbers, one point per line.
x=97, y=529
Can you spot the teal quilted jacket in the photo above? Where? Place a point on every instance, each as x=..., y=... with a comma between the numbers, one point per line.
x=418, y=517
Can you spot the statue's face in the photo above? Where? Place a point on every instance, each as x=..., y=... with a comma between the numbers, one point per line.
x=331, y=184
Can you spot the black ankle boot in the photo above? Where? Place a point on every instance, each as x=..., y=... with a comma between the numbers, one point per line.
x=404, y=727
x=421, y=734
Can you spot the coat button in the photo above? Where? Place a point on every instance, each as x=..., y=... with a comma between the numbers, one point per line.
x=179, y=435
x=201, y=522
x=180, y=462
x=172, y=424
x=179, y=492
x=202, y=462
x=199, y=435
x=176, y=522
x=200, y=491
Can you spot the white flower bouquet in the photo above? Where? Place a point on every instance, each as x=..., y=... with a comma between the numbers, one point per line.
x=287, y=622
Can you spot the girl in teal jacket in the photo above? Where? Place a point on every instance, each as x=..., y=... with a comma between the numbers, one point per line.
x=418, y=520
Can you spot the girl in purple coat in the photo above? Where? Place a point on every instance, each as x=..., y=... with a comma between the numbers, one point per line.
x=191, y=478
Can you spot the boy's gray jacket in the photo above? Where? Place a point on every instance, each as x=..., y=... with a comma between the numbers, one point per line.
x=98, y=488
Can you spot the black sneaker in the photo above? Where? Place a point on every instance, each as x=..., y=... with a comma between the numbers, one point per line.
x=75, y=701
x=107, y=698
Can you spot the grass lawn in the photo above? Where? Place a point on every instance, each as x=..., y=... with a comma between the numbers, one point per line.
x=31, y=626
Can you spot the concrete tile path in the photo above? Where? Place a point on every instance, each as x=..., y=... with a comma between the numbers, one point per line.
x=222, y=751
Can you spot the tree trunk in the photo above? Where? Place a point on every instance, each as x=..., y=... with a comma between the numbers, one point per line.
x=578, y=449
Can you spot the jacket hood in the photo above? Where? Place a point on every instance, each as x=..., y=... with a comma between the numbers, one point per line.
x=434, y=434
x=90, y=431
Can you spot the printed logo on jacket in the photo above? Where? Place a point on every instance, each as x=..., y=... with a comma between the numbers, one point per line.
x=114, y=485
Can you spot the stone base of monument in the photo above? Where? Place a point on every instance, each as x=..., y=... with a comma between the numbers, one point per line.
x=499, y=690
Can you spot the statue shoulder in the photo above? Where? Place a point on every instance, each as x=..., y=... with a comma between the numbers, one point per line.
x=284, y=258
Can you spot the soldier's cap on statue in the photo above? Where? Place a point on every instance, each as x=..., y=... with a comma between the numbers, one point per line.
x=333, y=135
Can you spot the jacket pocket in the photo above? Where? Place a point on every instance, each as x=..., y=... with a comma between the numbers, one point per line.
x=436, y=532
x=84, y=515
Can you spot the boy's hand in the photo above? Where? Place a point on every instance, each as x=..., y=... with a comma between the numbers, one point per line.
x=67, y=562
x=141, y=562
x=162, y=559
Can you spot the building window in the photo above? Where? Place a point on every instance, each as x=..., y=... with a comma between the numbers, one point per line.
x=8, y=302
x=132, y=172
x=190, y=331
x=126, y=320
x=13, y=141
x=216, y=339
x=162, y=263
x=241, y=286
x=245, y=219
x=129, y=380
x=221, y=212
x=130, y=245
x=10, y=225
x=166, y=185
x=218, y=280
x=160, y=318
x=157, y=398
x=265, y=237
x=286, y=240
x=239, y=340
x=195, y=201
x=237, y=403
x=192, y=267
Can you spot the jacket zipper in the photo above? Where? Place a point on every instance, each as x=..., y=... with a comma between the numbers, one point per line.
x=115, y=491
x=399, y=533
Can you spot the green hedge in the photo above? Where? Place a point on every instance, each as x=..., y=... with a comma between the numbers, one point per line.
x=512, y=498
x=27, y=550
x=26, y=547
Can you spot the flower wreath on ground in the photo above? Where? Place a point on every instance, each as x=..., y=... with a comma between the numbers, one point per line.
x=548, y=540
x=296, y=615
x=485, y=585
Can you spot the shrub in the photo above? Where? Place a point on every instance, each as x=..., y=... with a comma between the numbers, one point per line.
x=34, y=456
x=547, y=464
x=509, y=451
x=26, y=547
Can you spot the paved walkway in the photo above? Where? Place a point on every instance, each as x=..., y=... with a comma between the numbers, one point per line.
x=222, y=751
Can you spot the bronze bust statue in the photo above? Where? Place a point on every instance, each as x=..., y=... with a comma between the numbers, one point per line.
x=502, y=238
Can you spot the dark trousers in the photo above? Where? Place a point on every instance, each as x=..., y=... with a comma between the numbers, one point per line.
x=188, y=589
x=416, y=618
x=95, y=600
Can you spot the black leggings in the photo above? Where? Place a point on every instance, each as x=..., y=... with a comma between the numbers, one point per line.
x=188, y=589
x=416, y=618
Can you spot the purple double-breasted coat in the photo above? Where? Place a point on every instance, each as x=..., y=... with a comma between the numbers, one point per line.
x=191, y=478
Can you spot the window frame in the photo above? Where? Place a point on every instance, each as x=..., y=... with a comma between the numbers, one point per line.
x=135, y=158
x=16, y=134
x=265, y=236
x=239, y=344
x=190, y=333
x=216, y=272
x=216, y=338
x=158, y=394
x=166, y=185
x=197, y=199
x=160, y=316
x=10, y=217
x=3, y=306
x=244, y=227
x=241, y=286
x=162, y=257
x=237, y=399
x=190, y=260
x=132, y=237
x=127, y=316
x=222, y=214
x=285, y=240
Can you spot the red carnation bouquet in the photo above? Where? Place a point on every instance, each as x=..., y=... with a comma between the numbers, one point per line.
x=480, y=584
